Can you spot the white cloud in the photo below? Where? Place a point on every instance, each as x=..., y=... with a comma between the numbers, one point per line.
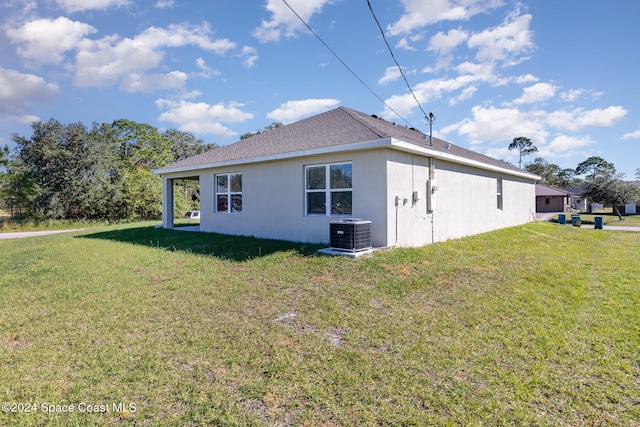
x=18, y=91
x=467, y=93
x=284, y=21
x=296, y=110
x=419, y=13
x=154, y=81
x=445, y=43
x=506, y=42
x=202, y=118
x=177, y=35
x=24, y=6
x=502, y=153
x=527, y=78
x=111, y=59
x=250, y=56
x=571, y=95
x=205, y=71
x=24, y=119
x=501, y=124
x=81, y=5
x=580, y=118
x=537, y=93
x=470, y=76
x=165, y=4
x=46, y=40
x=566, y=145
x=391, y=74
x=632, y=135
x=403, y=43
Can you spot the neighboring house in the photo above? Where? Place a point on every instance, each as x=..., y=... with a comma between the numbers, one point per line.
x=549, y=199
x=291, y=182
x=631, y=208
x=578, y=201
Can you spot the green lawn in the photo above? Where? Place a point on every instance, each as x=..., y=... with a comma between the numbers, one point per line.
x=532, y=325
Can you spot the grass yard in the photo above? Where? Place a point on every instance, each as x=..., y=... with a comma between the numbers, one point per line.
x=532, y=325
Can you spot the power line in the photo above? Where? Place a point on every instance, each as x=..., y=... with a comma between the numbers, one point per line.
x=395, y=60
x=343, y=63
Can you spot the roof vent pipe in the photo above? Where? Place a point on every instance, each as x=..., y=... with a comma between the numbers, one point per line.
x=430, y=119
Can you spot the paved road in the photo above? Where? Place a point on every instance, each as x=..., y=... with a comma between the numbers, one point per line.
x=22, y=234
x=613, y=227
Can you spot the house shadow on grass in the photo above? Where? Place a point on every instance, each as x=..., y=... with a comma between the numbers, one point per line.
x=237, y=248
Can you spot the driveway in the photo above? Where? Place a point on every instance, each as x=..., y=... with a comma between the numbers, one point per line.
x=22, y=234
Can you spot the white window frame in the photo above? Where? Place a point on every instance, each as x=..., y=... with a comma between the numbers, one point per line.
x=228, y=193
x=500, y=192
x=327, y=191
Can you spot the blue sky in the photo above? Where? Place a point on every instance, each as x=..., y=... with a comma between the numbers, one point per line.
x=562, y=73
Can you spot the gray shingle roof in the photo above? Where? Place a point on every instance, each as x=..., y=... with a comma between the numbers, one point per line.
x=544, y=190
x=333, y=128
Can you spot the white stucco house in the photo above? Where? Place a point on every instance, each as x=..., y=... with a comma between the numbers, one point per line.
x=291, y=182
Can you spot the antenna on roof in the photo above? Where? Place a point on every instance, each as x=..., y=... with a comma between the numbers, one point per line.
x=430, y=119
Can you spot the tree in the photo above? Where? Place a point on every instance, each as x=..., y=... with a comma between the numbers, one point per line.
x=51, y=160
x=272, y=126
x=611, y=190
x=553, y=174
x=4, y=156
x=595, y=167
x=548, y=172
x=567, y=178
x=69, y=171
x=638, y=173
x=141, y=148
x=524, y=146
x=184, y=144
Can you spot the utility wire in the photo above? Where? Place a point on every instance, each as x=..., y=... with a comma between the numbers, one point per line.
x=343, y=63
x=395, y=60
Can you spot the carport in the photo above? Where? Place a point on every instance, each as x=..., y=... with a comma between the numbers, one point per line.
x=169, y=186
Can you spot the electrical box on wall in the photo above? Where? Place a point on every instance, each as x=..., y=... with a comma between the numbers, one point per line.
x=431, y=195
x=417, y=195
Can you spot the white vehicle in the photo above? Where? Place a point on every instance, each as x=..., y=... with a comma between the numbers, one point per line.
x=192, y=215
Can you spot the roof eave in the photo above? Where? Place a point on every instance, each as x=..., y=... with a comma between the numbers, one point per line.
x=356, y=146
x=436, y=153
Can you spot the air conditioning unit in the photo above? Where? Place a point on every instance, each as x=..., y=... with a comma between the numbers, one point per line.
x=350, y=234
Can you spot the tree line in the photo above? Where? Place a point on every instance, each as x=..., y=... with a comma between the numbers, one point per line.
x=601, y=182
x=102, y=172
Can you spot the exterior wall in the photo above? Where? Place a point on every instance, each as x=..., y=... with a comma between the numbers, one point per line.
x=467, y=201
x=464, y=204
x=273, y=199
x=556, y=204
x=409, y=222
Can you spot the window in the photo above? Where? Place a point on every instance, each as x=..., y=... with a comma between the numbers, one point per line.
x=229, y=193
x=499, y=190
x=328, y=189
